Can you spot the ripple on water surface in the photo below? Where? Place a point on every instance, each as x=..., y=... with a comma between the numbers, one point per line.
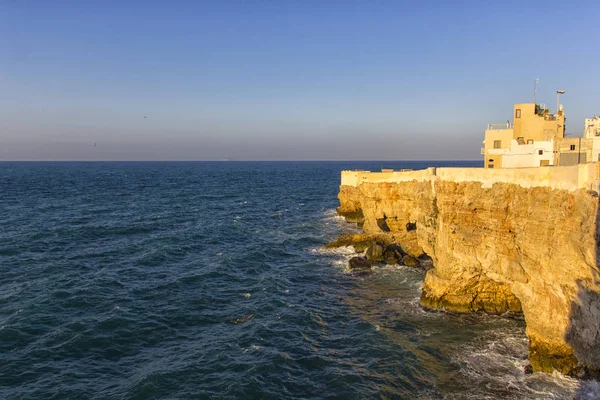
x=198, y=280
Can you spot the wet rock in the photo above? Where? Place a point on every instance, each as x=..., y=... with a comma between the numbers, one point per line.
x=375, y=252
x=359, y=264
x=393, y=254
x=243, y=319
x=528, y=370
x=410, y=261
x=547, y=357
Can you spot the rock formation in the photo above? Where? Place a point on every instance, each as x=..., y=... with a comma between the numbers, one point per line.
x=506, y=248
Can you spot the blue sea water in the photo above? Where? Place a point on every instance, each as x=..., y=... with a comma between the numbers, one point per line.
x=207, y=280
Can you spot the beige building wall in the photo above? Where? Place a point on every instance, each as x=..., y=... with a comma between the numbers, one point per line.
x=595, y=149
x=575, y=150
x=493, y=154
x=542, y=125
x=534, y=130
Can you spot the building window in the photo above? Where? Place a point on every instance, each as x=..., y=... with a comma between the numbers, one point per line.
x=529, y=141
x=491, y=160
x=518, y=113
x=572, y=147
x=497, y=144
x=541, y=152
x=490, y=165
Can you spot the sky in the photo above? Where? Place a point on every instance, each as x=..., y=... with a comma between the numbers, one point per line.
x=284, y=80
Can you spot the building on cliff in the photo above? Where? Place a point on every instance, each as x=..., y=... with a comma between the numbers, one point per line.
x=537, y=138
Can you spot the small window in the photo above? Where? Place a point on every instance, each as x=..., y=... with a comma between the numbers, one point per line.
x=491, y=160
x=490, y=165
x=497, y=144
x=572, y=147
x=541, y=152
x=529, y=141
x=518, y=113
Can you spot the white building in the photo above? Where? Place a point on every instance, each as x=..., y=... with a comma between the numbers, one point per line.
x=591, y=127
x=528, y=155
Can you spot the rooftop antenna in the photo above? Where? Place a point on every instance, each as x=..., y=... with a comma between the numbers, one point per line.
x=558, y=93
x=535, y=83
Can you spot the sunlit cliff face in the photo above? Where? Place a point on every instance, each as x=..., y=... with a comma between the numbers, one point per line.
x=500, y=249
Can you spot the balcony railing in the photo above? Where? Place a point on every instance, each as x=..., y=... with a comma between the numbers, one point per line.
x=508, y=125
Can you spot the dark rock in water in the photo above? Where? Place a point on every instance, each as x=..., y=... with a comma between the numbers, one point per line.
x=410, y=261
x=243, y=319
x=375, y=252
x=528, y=369
x=359, y=264
x=393, y=254
x=391, y=260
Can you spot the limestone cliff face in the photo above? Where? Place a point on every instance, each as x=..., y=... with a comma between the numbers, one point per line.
x=501, y=249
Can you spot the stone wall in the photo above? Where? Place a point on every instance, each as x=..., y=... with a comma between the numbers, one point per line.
x=582, y=176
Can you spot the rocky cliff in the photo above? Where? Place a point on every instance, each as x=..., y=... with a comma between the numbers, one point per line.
x=505, y=248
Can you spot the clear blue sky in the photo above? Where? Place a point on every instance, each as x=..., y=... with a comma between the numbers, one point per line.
x=299, y=80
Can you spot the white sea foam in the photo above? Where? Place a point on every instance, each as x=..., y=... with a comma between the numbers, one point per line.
x=337, y=257
x=331, y=216
x=252, y=348
x=339, y=251
x=500, y=361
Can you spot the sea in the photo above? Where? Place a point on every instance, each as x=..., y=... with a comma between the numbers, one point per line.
x=208, y=280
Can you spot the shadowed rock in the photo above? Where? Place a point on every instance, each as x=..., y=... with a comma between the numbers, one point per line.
x=410, y=261
x=375, y=252
x=382, y=223
x=393, y=254
x=359, y=264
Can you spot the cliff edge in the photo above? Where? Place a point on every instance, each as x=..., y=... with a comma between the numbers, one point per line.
x=499, y=245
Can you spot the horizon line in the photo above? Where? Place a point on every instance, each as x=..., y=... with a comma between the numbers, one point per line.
x=248, y=160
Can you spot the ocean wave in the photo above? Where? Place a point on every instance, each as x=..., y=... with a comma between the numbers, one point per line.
x=498, y=362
